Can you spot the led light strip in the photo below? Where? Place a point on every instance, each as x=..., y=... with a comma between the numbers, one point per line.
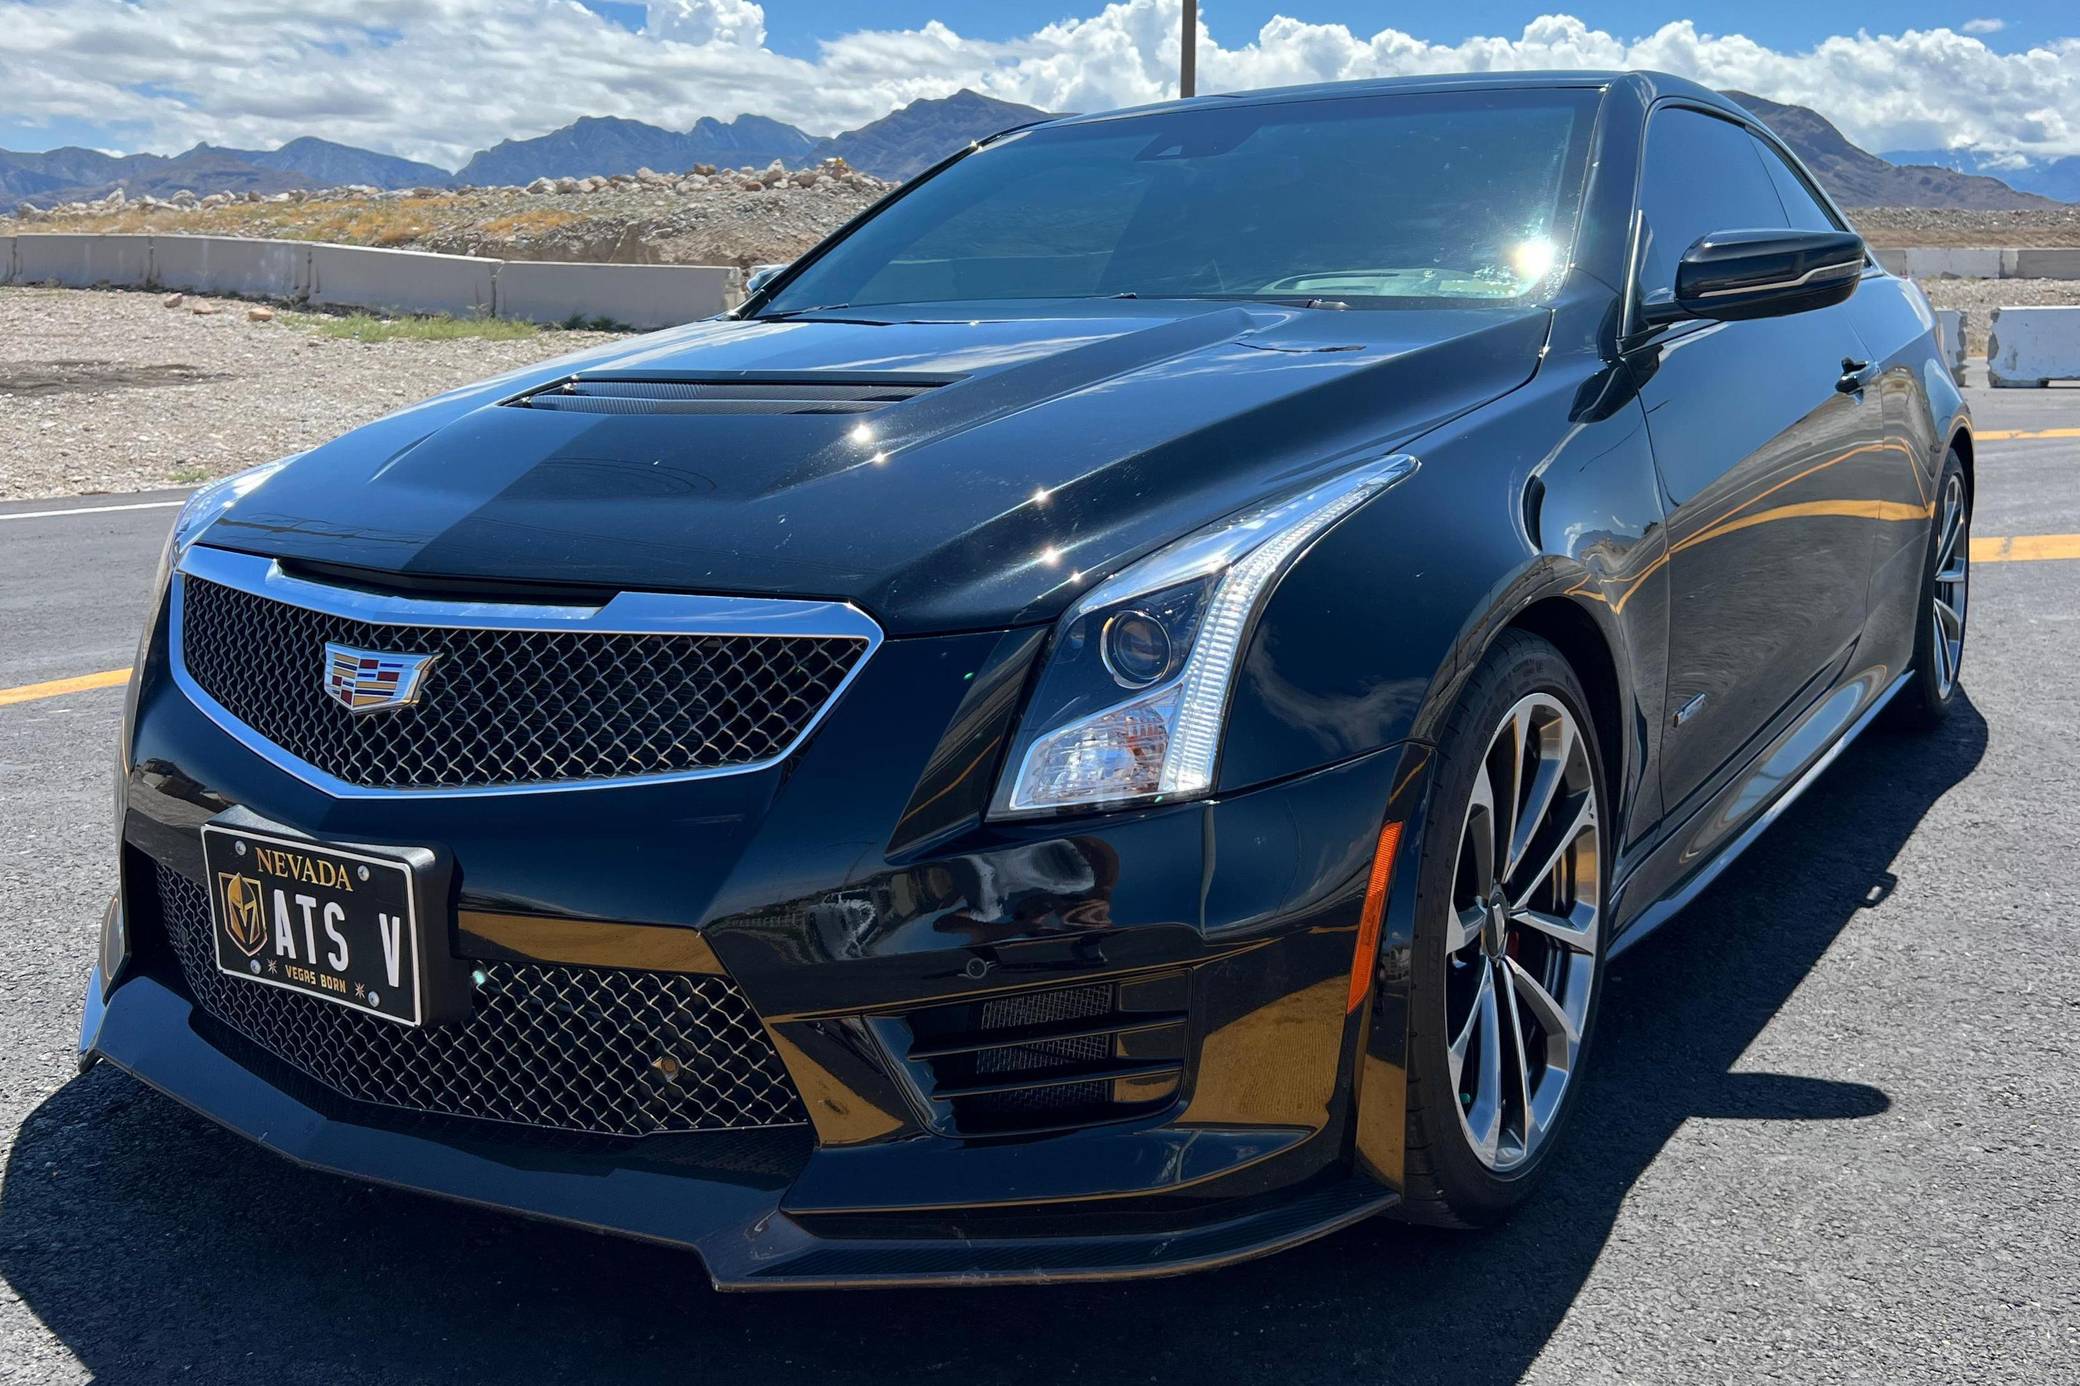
x=1209, y=671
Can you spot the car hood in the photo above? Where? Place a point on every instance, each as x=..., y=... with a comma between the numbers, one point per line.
x=1050, y=447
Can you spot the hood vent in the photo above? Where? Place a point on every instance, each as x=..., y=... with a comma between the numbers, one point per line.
x=580, y=394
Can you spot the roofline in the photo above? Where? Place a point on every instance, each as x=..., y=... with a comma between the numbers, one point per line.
x=1651, y=85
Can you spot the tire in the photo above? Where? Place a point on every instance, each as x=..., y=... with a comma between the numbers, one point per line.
x=1476, y=1148
x=1943, y=605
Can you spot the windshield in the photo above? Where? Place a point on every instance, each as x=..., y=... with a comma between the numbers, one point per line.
x=1366, y=201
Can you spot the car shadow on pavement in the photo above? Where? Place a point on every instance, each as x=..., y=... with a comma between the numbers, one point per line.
x=153, y=1245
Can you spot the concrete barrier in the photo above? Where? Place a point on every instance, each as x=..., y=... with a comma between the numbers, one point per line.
x=1953, y=326
x=81, y=262
x=231, y=265
x=2033, y=346
x=401, y=281
x=1942, y=261
x=1980, y=262
x=393, y=281
x=2048, y=262
x=631, y=295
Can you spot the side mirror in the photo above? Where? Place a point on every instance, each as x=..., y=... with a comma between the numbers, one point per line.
x=1732, y=275
x=760, y=276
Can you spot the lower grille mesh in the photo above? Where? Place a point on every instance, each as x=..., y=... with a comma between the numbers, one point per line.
x=1040, y=1056
x=1047, y=1059
x=561, y=1048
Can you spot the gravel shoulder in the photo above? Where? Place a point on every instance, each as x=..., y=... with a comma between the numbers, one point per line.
x=1897, y=226
x=110, y=391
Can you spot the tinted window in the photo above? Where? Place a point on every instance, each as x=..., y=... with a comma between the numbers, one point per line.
x=1370, y=201
x=1803, y=209
x=1701, y=175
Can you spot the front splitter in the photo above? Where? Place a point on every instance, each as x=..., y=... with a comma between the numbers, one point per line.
x=730, y=1217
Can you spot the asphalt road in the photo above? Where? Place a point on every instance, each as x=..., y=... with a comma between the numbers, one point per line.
x=1829, y=1135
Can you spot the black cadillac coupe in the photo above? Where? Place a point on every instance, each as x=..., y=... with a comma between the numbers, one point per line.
x=1110, y=718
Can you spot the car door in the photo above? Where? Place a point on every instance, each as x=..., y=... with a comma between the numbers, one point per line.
x=1760, y=431
x=1892, y=323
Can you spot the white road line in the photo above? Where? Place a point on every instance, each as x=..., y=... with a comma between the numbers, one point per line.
x=92, y=510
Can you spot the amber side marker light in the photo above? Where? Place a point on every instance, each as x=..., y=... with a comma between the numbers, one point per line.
x=1374, y=912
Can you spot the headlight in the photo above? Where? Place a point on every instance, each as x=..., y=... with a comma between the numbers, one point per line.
x=202, y=507
x=216, y=498
x=1134, y=697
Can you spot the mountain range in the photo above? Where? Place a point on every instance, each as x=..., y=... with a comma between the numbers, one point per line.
x=900, y=145
x=2054, y=178
x=1859, y=178
x=897, y=146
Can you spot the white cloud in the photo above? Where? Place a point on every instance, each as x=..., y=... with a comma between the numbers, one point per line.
x=437, y=79
x=736, y=22
x=1984, y=26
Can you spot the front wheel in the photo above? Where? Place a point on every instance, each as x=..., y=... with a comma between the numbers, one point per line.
x=1509, y=936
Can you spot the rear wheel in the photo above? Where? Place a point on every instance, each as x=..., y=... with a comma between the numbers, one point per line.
x=1943, y=607
x=1509, y=936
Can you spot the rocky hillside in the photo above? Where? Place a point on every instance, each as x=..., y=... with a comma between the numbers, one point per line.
x=2047, y=177
x=897, y=146
x=64, y=175
x=608, y=145
x=904, y=143
x=703, y=216
x=328, y=165
x=1858, y=178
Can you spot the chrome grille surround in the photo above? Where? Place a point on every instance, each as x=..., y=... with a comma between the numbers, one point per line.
x=559, y=1048
x=643, y=688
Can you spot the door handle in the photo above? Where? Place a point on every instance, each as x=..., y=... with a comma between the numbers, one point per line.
x=1855, y=375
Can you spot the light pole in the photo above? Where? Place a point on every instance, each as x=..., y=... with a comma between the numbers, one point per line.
x=1188, y=54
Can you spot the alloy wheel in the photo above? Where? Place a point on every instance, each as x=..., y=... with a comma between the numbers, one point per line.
x=1951, y=587
x=1522, y=945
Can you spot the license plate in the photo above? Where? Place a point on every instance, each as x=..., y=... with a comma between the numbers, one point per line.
x=338, y=924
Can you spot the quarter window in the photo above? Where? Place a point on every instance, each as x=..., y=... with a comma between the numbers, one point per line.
x=1805, y=211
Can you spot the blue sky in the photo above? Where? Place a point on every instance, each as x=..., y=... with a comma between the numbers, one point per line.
x=437, y=81
x=796, y=26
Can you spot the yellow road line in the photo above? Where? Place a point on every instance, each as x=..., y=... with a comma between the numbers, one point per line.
x=2026, y=548
x=2004, y=435
x=58, y=688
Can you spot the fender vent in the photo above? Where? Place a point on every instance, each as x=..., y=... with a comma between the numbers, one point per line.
x=581, y=394
x=1046, y=1060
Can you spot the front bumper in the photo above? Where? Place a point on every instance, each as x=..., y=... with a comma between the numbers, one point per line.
x=726, y=1208
x=1271, y=1118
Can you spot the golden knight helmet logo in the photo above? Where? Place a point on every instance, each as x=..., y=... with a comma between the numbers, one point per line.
x=244, y=920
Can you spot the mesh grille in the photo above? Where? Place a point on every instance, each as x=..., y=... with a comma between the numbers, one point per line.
x=1041, y=1008
x=563, y=1048
x=1046, y=1059
x=509, y=707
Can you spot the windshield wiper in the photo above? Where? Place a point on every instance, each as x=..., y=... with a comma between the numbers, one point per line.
x=797, y=312
x=1284, y=300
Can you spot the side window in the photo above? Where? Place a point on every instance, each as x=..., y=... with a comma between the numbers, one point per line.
x=1805, y=210
x=1701, y=175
